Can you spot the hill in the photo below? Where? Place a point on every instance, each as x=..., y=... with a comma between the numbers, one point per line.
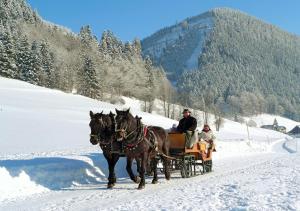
x=42, y=53
x=231, y=62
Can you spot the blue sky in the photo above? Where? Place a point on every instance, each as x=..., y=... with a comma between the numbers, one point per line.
x=140, y=18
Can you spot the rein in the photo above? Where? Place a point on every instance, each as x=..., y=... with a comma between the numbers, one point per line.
x=140, y=136
x=99, y=139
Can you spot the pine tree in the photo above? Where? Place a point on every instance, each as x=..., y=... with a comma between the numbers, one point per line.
x=86, y=37
x=25, y=62
x=150, y=94
x=89, y=85
x=4, y=63
x=36, y=64
x=8, y=55
x=47, y=61
x=137, y=46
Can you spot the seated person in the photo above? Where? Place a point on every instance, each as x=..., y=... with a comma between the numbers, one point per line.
x=208, y=136
x=173, y=129
x=188, y=125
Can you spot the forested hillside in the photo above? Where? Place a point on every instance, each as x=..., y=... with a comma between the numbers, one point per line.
x=49, y=55
x=245, y=66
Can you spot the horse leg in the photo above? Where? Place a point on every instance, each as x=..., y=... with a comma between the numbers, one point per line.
x=111, y=160
x=143, y=169
x=154, y=162
x=166, y=163
x=129, y=170
x=138, y=165
x=115, y=158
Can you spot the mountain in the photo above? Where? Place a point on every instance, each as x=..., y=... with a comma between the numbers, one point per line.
x=46, y=54
x=178, y=47
x=230, y=62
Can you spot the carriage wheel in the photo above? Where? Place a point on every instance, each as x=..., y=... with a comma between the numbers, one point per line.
x=207, y=166
x=186, y=167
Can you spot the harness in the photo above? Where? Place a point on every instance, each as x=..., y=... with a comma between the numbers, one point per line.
x=142, y=132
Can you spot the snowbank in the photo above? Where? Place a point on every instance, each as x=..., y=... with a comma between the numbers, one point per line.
x=19, y=185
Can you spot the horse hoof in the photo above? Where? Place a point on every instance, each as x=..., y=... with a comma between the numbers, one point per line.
x=154, y=181
x=168, y=178
x=137, y=179
x=110, y=185
x=141, y=187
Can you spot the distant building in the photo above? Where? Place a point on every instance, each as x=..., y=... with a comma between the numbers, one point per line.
x=295, y=131
x=275, y=127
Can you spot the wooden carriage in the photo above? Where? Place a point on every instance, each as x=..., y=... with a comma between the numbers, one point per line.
x=190, y=161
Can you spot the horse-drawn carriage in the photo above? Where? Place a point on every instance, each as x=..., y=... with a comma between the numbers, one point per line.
x=189, y=161
x=127, y=135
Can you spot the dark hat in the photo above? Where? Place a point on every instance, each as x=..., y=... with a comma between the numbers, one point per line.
x=186, y=110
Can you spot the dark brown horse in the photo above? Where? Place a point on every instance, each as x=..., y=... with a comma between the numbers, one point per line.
x=143, y=142
x=103, y=133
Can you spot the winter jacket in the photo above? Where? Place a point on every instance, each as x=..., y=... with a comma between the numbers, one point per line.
x=207, y=136
x=188, y=123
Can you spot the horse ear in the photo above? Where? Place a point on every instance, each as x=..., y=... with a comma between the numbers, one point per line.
x=137, y=117
x=117, y=111
x=111, y=114
x=128, y=110
x=91, y=114
x=101, y=112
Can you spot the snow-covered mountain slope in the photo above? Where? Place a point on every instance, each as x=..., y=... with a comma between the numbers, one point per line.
x=185, y=39
x=47, y=162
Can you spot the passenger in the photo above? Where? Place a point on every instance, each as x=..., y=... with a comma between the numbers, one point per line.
x=173, y=129
x=188, y=125
x=208, y=136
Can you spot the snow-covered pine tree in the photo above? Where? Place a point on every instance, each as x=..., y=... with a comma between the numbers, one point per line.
x=128, y=51
x=36, y=64
x=86, y=37
x=149, y=94
x=137, y=47
x=8, y=63
x=25, y=62
x=4, y=63
x=110, y=45
x=89, y=85
x=47, y=65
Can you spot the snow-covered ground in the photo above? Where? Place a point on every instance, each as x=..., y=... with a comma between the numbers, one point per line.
x=47, y=162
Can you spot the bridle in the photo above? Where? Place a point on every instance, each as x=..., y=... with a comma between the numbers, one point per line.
x=140, y=136
x=125, y=133
x=98, y=138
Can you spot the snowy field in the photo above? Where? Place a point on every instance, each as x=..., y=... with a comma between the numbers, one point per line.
x=47, y=162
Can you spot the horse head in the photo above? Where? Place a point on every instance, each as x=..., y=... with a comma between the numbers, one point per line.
x=124, y=124
x=96, y=124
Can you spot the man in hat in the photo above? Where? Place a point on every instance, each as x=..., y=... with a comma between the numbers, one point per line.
x=187, y=123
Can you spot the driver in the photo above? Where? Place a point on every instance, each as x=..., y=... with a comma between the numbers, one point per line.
x=187, y=123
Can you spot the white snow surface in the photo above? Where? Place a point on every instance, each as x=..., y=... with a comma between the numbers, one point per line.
x=47, y=162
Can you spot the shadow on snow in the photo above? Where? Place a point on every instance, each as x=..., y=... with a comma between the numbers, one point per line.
x=57, y=173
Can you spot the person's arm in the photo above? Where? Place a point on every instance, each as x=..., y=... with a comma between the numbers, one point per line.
x=213, y=137
x=179, y=127
x=193, y=125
